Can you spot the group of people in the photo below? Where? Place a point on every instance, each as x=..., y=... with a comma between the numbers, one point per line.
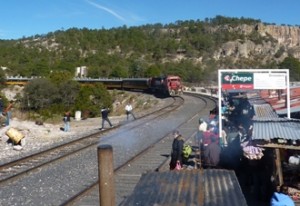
x=105, y=111
x=237, y=120
x=212, y=152
x=208, y=142
x=104, y=114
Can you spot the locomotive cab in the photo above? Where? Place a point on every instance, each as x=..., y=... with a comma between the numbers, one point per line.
x=174, y=85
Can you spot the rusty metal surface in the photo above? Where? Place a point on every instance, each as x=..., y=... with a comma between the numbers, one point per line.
x=188, y=187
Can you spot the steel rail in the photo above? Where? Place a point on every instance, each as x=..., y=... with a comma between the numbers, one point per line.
x=16, y=169
x=162, y=145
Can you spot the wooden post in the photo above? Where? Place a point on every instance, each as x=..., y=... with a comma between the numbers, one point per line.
x=106, y=176
x=278, y=167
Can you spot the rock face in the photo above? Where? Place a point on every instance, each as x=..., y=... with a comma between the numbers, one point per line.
x=263, y=42
x=285, y=35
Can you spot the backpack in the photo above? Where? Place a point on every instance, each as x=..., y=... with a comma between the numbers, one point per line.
x=187, y=151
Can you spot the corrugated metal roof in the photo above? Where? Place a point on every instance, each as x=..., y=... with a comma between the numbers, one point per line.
x=288, y=129
x=188, y=188
x=253, y=101
x=222, y=188
x=255, y=98
x=264, y=112
x=284, y=111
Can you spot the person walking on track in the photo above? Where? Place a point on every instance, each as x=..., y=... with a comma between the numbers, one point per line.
x=104, y=113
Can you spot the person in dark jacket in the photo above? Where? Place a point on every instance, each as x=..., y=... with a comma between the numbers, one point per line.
x=104, y=113
x=1, y=105
x=177, y=148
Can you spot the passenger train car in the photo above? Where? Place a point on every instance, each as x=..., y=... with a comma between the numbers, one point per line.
x=136, y=84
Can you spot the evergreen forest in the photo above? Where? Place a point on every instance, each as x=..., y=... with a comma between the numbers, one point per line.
x=184, y=48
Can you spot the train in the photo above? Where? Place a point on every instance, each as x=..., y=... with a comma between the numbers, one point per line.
x=169, y=85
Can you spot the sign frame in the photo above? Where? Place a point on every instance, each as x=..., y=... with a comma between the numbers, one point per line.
x=255, y=72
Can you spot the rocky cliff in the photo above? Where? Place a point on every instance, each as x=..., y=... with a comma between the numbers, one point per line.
x=276, y=42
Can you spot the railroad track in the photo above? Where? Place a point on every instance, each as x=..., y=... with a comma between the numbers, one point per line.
x=154, y=158
x=16, y=169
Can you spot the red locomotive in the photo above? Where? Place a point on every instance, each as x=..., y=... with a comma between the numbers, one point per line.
x=168, y=85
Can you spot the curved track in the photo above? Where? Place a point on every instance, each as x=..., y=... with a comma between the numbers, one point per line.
x=153, y=158
x=139, y=146
x=17, y=169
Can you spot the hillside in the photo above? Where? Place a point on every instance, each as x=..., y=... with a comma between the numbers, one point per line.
x=192, y=49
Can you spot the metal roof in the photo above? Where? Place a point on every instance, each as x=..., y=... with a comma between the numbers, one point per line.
x=253, y=101
x=255, y=98
x=264, y=112
x=282, y=128
x=188, y=187
x=284, y=110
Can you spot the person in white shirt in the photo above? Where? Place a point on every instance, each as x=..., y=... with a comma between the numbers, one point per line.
x=128, y=109
x=202, y=128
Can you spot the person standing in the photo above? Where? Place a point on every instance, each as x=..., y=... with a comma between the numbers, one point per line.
x=177, y=148
x=212, y=153
x=1, y=105
x=128, y=109
x=67, y=120
x=201, y=129
x=8, y=112
x=104, y=113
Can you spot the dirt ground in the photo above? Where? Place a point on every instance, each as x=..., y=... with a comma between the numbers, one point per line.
x=39, y=137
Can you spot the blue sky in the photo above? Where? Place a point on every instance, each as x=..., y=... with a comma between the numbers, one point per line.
x=24, y=18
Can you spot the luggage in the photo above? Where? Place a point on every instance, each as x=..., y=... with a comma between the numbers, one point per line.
x=14, y=135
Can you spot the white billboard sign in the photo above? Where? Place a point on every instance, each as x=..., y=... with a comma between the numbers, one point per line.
x=269, y=80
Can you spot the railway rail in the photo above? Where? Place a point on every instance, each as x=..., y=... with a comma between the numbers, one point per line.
x=154, y=158
x=11, y=171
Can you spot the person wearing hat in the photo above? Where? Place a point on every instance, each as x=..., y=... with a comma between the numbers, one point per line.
x=177, y=148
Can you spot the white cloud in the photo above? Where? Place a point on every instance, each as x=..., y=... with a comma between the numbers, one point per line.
x=115, y=14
